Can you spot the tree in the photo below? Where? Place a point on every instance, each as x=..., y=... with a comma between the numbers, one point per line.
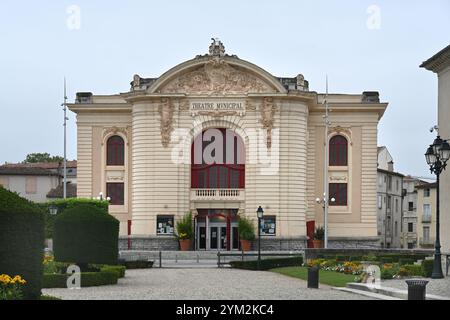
x=42, y=157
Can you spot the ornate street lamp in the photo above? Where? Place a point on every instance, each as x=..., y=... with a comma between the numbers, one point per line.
x=100, y=197
x=53, y=209
x=260, y=213
x=437, y=156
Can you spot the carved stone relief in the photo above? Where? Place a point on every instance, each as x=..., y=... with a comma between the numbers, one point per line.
x=268, y=110
x=216, y=77
x=166, y=111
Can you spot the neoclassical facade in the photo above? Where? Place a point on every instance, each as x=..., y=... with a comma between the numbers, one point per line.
x=219, y=137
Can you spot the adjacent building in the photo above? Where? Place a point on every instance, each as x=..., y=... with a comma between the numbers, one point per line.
x=409, y=237
x=426, y=215
x=440, y=64
x=389, y=201
x=220, y=136
x=39, y=182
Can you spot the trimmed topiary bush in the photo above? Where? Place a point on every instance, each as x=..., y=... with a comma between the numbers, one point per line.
x=86, y=234
x=21, y=241
x=64, y=204
x=88, y=279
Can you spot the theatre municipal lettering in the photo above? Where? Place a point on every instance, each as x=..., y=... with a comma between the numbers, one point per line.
x=218, y=136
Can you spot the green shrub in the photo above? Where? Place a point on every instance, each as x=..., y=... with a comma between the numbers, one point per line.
x=88, y=279
x=388, y=273
x=341, y=258
x=413, y=270
x=267, y=264
x=62, y=205
x=427, y=268
x=21, y=241
x=370, y=257
x=119, y=270
x=246, y=228
x=142, y=264
x=406, y=261
x=355, y=258
x=54, y=280
x=85, y=234
x=387, y=259
x=184, y=227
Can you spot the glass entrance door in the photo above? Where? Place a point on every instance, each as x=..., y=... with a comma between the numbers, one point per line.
x=218, y=237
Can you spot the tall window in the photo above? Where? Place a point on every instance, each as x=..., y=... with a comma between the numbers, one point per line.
x=338, y=151
x=426, y=193
x=116, y=192
x=338, y=191
x=426, y=213
x=218, y=160
x=115, y=151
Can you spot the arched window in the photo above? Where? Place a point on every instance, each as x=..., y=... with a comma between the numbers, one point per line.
x=115, y=151
x=227, y=170
x=338, y=151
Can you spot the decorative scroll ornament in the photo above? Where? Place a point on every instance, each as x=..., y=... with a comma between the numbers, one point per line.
x=114, y=130
x=339, y=130
x=166, y=111
x=268, y=110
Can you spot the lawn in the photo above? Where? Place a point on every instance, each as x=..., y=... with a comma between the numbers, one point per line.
x=331, y=278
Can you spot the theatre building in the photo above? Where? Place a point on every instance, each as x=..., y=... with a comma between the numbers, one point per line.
x=218, y=136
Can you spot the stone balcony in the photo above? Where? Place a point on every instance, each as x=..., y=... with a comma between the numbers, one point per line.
x=217, y=194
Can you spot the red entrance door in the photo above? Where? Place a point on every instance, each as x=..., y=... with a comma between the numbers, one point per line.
x=310, y=227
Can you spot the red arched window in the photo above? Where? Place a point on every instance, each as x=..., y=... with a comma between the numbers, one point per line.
x=227, y=171
x=338, y=151
x=115, y=151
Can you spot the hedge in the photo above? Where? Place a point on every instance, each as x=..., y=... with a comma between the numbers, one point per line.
x=88, y=279
x=119, y=270
x=85, y=234
x=267, y=264
x=62, y=205
x=427, y=266
x=21, y=241
x=141, y=264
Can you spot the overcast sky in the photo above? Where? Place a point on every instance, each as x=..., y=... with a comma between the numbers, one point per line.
x=361, y=45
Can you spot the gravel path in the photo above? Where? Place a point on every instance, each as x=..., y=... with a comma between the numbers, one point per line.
x=204, y=284
x=439, y=287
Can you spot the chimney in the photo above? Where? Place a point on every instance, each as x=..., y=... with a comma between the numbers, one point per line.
x=391, y=166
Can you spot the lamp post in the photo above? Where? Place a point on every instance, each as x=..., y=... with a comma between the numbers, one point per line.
x=100, y=197
x=437, y=156
x=260, y=213
x=324, y=202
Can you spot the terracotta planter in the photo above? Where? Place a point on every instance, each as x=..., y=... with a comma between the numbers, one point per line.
x=246, y=245
x=318, y=244
x=185, y=244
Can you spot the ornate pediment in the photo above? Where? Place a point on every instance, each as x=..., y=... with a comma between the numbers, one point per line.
x=217, y=77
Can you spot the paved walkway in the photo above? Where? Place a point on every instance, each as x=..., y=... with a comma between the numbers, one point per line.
x=204, y=284
x=439, y=287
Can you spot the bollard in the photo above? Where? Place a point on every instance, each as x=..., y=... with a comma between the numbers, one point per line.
x=218, y=259
x=198, y=258
x=160, y=259
x=313, y=277
x=417, y=289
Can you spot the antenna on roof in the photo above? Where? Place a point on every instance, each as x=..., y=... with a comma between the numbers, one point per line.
x=64, y=105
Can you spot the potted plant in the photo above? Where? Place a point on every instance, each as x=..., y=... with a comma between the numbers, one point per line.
x=319, y=235
x=185, y=232
x=246, y=233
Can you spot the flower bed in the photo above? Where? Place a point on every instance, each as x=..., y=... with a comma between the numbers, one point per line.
x=11, y=288
x=388, y=269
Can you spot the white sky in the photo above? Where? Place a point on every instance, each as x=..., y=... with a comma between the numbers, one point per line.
x=117, y=39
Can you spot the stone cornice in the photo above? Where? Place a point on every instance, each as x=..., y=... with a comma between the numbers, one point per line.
x=439, y=61
x=100, y=107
